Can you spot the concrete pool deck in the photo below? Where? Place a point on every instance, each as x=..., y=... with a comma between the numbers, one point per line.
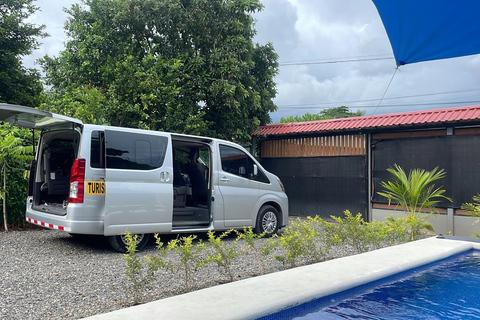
x=259, y=296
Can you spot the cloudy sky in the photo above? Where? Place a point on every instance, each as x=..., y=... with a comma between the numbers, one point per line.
x=316, y=41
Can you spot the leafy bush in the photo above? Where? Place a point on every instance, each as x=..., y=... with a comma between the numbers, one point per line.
x=250, y=238
x=397, y=231
x=134, y=268
x=313, y=235
x=299, y=239
x=223, y=254
x=158, y=261
x=353, y=232
x=16, y=152
x=350, y=231
x=473, y=209
x=190, y=257
x=303, y=241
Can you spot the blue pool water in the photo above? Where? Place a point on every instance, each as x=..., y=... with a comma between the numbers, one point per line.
x=449, y=289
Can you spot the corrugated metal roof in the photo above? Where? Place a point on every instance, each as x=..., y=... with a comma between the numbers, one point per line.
x=437, y=116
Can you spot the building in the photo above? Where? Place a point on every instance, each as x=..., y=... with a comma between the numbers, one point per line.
x=331, y=165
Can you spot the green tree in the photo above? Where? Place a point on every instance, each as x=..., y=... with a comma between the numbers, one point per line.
x=15, y=155
x=18, y=38
x=414, y=193
x=185, y=66
x=331, y=113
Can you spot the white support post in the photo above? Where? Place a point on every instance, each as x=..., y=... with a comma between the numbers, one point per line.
x=450, y=220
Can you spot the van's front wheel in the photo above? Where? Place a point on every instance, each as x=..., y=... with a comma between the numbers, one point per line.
x=119, y=243
x=267, y=221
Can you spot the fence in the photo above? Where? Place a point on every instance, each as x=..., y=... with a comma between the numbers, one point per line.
x=323, y=146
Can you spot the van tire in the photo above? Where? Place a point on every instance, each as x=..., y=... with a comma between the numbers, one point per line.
x=119, y=244
x=267, y=221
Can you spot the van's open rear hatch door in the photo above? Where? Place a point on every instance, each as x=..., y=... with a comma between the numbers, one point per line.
x=31, y=118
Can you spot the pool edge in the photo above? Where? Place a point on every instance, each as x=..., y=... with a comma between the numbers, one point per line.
x=259, y=296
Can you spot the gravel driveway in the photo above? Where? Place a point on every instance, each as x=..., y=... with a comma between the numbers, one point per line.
x=48, y=274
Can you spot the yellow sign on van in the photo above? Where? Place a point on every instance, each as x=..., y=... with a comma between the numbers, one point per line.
x=96, y=188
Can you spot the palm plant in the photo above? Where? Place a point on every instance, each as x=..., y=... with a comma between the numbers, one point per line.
x=414, y=193
x=473, y=208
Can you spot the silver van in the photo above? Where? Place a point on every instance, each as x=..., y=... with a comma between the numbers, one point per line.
x=103, y=180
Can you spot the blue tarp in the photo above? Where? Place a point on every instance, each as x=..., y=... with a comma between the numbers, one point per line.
x=422, y=30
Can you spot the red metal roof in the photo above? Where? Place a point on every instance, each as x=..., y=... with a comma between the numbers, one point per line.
x=437, y=116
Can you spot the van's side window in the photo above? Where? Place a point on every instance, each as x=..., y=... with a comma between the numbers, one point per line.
x=97, y=150
x=134, y=151
x=237, y=162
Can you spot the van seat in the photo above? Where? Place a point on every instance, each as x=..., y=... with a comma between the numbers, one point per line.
x=179, y=186
x=57, y=171
x=197, y=173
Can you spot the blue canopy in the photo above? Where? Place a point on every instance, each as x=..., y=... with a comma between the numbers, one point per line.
x=422, y=30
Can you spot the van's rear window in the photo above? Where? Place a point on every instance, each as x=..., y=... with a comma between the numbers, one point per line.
x=97, y=153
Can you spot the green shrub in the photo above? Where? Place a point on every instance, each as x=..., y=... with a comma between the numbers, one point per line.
x=473, y=209
x=250, y=239
x=190, y=256
x=397, y=231
x=157, y=262
x=134, y=267
x=223, y=254
x=350, y=231
x=353, y=232
x=312, y=233
x=302, y=241
x=299, y=239
x=16, y=153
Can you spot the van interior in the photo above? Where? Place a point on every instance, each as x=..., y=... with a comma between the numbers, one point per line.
x=50, y=173
x=191, y=184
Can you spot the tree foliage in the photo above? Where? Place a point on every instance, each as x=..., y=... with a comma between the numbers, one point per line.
x=176, y=65
x=15, y=155
x=332, y=113
x=473, y=208
x=18, y=38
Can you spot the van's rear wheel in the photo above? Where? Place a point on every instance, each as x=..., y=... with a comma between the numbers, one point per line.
x=267, y=221
x=119, y=243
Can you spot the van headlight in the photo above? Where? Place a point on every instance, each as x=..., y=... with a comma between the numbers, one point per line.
x=281, y=184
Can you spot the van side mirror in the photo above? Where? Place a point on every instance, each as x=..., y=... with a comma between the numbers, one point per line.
x=242, y=171
x=255, y=170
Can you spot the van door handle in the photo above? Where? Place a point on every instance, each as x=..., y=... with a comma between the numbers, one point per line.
x=224, y=179
x=164, y=176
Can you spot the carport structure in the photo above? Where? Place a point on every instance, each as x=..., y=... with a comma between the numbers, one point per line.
x=328, y=166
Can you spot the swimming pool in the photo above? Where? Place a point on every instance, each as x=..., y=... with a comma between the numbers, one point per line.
x=264, y=295
x=448, y=289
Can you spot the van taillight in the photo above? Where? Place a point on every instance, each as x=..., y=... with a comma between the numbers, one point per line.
x=77, y=181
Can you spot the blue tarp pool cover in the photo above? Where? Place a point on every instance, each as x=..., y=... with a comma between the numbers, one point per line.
x=422, y=30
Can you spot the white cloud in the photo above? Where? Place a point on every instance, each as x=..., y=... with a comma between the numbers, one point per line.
x=52, y=15
x=313, y=30
x=335, y=30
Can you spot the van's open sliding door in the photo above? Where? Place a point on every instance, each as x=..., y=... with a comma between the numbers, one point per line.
x=139, y=182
